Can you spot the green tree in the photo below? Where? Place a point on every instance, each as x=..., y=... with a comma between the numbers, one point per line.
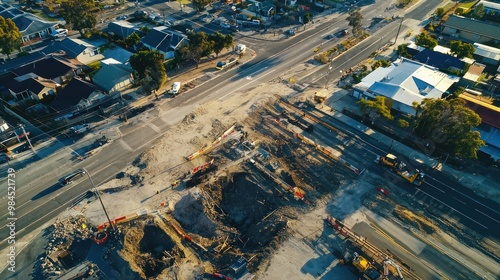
x=199, y=46
x=375, y=108
x=307, y=18
x=461, y=49
x=458, y=91
x=149, y=67
x=479, y=11
x=440, y=12
x=219, y=41
x=79, y=13
x=401, y=51
x=381, y=62
x=10, y=36
x=449, y=124
x=228, y=41
x=132, y=40
x=403, y=123
x=425, y=40
x=200, y=5
x=355, y=20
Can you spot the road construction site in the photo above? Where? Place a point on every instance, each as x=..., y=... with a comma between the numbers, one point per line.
x=268, y=188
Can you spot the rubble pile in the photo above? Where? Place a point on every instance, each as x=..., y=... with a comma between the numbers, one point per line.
x=62, y=235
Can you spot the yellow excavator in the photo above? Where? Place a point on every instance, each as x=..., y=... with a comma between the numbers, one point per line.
x=365, y=267
x=413, y=176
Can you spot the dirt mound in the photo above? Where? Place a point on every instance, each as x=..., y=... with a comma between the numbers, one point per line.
x=190, y=213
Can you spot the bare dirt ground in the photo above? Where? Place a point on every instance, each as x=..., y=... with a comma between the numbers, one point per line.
x=237, y=208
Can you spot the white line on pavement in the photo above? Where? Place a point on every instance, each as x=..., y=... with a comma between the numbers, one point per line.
x=493, y=210
x=453, y=209
x=487, y=216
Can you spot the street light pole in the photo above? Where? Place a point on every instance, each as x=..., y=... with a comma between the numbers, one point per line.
x=27, y=138
x=100, y=200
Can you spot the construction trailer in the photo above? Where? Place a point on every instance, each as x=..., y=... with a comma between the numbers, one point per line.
x=399, y=167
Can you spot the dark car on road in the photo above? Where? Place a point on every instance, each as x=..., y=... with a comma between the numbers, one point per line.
x=72, y=177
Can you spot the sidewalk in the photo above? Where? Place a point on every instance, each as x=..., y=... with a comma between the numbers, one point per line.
x=341, y=99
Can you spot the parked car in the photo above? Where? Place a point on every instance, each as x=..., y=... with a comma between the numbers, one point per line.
x=58, y=33
x=70, y=178
x=122, y=17
x=176, y=86
x=79, y=129
x=290, y=32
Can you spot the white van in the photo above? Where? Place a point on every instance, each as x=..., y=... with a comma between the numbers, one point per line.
x=176, y=86
x=58, y=33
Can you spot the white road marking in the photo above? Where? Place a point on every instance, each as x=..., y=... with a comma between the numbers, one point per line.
x=460, y=201
x=487, y=216
x=453, y=209
x=492, y=210
x=251, y=81
x=436, y=188
x=125, y=145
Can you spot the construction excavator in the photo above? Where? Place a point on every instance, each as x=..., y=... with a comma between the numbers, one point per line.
x=390, y=270
x=365, y=267
x=399, y=167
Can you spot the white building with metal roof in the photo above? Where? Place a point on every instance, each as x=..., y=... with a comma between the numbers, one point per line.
x=403, y=83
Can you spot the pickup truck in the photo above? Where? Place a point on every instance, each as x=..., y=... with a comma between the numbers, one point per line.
x=223, y=64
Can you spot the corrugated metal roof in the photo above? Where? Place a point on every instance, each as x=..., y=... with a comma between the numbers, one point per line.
x=409, y=82
x=487, y=51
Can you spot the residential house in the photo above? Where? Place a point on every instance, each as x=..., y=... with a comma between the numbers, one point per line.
x=262, y=8
x=31, y=86
x=164, y=40
x=51, y=67
x=486, y=54
x=490, y=124
x=9, y=65
x=31, y=27
x=123, y=29
x=473, y=74
x=471, y=29
x=490, y=8
x=77, y=95
x=80, y=50
x=439, y=60
x=403, y=83
x=113, y=76
x=118, y=54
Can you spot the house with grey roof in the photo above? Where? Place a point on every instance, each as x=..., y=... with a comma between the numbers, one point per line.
x=51, y=67
x=164, y=40
x=80, y=50
x=31, y=86
x=123, y=28
x=77, y=95
x=31, y=27
x=118, y=53
x=113, y=76
x=403, y=83
x=486, y=54
x=471, y=29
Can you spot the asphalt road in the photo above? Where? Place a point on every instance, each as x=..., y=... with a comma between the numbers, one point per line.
x=38, y=198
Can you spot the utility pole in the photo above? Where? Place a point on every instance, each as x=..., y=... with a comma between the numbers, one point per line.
x=100, y=200
x=27, y=138
x=399, y=29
